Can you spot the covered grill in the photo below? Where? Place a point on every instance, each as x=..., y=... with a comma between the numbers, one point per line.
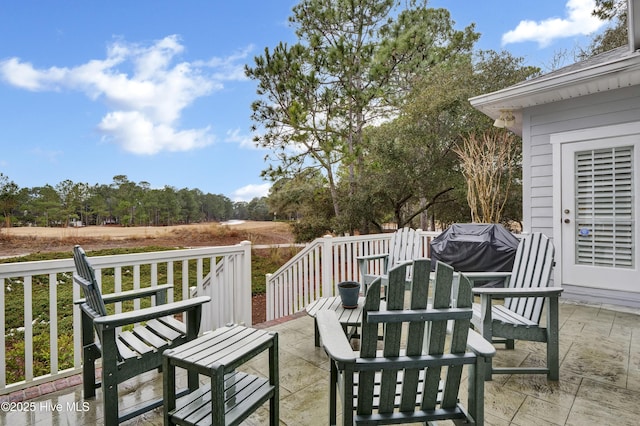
x=476, y=247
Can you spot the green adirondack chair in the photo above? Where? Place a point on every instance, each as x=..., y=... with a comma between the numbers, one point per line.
x=404, y=247
x=126, y=354
x=417, y=375
x=525, y=293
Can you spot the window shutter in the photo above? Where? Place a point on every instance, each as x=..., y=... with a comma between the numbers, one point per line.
x=604, y=207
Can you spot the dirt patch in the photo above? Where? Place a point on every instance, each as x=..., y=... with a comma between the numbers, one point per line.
x=259, y=308
x=26, y=240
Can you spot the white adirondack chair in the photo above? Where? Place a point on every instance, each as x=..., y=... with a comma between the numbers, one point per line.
x=404, y=247
x=525, y=293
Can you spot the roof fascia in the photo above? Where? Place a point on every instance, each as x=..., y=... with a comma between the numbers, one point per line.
x=555, y=82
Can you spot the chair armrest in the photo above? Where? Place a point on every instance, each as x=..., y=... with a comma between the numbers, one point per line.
x=479, y=345
x=486, y=275
x=363, y=262
x=520, y=292
x=153, y=312
x=130, y=294
x=332, y=336
x=135, y=294
x=372, y=257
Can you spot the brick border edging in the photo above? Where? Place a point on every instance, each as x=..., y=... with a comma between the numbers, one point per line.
x=67, y=382
x=42, y=389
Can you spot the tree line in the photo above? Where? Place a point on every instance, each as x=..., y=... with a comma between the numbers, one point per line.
x=121, y=202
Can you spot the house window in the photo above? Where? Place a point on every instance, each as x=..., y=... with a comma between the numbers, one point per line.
x=604, y=204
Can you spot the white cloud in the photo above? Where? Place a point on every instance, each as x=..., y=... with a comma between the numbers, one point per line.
x=231, y=67
x=578, y=21
x=249, y=192
x=244, y=141
x=136, y=134
x=145, y=87
x=24, y=76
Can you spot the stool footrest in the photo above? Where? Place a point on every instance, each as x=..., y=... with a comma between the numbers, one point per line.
x=243, y=394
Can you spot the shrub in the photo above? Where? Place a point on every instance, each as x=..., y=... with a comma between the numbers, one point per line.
x=308, y=229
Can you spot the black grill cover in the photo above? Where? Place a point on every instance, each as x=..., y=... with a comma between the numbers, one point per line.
x=476, y=247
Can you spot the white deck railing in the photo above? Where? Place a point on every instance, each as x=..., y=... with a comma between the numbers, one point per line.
x=229, y=287
x=323, y=263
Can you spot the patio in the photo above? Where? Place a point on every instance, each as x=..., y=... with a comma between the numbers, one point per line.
x=600, y=379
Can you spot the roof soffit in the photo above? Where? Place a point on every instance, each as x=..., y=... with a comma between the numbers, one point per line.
x=581, y=79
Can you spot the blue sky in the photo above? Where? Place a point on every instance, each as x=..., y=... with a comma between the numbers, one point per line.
x=155, y=89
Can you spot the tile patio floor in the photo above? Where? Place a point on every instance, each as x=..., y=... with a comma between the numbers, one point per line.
x=599, y=380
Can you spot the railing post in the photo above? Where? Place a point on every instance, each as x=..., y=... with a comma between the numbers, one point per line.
x=327, y=266
x=244, y=300
x=77, y=329
x=53, y=323
x=270, y=297
x=28, y=328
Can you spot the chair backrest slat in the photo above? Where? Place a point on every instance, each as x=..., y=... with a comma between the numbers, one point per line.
x=459, y=337
x=392, y=341
x=416, y=332
x=531, y=269
x=413, y=336
x=437, y=333
x=368, y=347
x=85, y=277
x=404, y=245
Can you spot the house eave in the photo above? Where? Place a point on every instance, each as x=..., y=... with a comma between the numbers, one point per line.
x=602, y=77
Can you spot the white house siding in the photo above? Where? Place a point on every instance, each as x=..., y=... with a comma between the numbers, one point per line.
x=613, y=107
x=539, y=122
